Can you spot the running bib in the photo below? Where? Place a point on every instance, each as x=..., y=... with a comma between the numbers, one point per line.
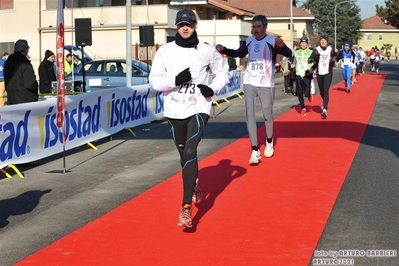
x=347, y=61
x=302, y=66
x=187, y=93
x=257, y=67
x=323, y=66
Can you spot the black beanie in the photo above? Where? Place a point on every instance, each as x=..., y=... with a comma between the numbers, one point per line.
x=324, y=36
x=48, y=53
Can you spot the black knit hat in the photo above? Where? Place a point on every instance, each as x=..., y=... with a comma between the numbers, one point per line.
x=304, y=39
x=324, y=36
x=48, y=53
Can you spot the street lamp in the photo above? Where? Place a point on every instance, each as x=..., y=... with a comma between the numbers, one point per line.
x=335, y=22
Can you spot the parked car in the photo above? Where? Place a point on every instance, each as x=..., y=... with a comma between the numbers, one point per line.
x=110, y=73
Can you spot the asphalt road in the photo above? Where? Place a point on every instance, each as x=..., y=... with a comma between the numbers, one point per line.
x=48, y=204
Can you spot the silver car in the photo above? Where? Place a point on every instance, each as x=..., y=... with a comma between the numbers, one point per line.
x=110, y=73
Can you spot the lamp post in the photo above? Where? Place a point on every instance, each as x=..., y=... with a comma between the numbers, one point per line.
x=335, y=21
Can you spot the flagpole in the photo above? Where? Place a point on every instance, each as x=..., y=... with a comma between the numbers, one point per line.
x=61, y=76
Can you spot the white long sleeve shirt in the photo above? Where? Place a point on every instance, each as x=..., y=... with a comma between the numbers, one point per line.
x=186, y=100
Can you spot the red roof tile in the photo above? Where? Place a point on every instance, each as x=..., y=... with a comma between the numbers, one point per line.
x=375, y=23
x=271, y=8
x=232, y=8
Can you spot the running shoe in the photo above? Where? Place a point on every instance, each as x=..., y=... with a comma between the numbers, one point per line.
x=197, y=195
x=348, y=90
x=310, y=98
x=269, y=150
x=255, y=157
x=185, y=217
x=303, y=112
x=324, y=114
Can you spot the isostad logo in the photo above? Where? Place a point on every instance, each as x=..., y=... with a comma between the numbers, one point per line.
x=16, y=138
x=126, y=109
x=79, y=123
x=157, y=102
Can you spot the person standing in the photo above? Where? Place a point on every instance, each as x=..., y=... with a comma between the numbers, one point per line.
x=46, y=72
x=232, y=63
x=347, y=57
x=2, y=87
x=180, y=71
x=304, y=73
x=286, y=67
x=19, y=76
x=70, y=63
x=261, y=49
x=322, y=59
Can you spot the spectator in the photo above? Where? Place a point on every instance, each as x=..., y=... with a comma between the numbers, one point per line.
x=286, y=66
x=19, y=76
x=46, y=72
x=232, y=63
x=2, y=87
x=69, y=64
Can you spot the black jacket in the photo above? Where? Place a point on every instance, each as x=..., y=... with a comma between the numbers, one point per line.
x=46, y=76
x=20, y=80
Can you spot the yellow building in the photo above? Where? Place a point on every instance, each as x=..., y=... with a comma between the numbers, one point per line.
x=376, y=33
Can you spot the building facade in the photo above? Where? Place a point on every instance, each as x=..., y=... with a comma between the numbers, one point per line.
x=225, y=22
x=377, y=33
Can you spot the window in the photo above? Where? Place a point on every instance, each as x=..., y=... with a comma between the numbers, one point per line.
x=368, y=37
x=6, y=4
x=95, y=67
x=111, y=68
x=380, y=36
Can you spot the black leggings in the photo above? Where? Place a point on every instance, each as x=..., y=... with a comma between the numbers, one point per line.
x=302, y=87
x=287, y=83
x=324, y=82
x=187, y=134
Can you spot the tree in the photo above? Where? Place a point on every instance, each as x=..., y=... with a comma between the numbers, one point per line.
x=389, y=13
x=386, y=46
x=348, y=19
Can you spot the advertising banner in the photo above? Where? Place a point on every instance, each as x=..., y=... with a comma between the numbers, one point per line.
x=29, y=131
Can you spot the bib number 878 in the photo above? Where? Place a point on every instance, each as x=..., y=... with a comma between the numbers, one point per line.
x=257, y=66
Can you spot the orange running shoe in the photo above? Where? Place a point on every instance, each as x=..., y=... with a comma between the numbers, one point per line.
x=185, y=217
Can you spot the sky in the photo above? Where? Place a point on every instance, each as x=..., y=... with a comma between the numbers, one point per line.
x=367, y=7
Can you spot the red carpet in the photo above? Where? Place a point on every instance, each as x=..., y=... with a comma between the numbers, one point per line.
x=269, y=214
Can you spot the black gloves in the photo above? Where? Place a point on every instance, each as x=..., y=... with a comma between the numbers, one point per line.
x=184, y=76
x=205, y=90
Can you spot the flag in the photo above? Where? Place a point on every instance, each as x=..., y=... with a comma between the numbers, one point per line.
x=60, y=69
